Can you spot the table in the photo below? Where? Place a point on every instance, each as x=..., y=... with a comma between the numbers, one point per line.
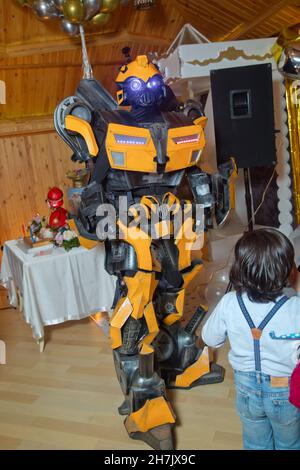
x=58, y=286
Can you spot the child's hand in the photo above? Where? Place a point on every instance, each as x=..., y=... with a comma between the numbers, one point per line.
x=295, y=279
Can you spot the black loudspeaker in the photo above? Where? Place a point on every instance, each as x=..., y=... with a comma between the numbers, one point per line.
x=244, y=115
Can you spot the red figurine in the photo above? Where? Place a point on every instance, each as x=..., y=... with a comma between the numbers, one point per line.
x=59, y=215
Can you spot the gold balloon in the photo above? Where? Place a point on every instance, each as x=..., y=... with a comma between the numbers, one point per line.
x=74, y=11
x=109, y=6
x=293, y=111
x=289, y=35
x=101, y=19
x=286, y=37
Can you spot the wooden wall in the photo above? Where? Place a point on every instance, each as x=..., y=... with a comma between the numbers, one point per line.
x=36, y=83
x=32, y=158
x=41, y=65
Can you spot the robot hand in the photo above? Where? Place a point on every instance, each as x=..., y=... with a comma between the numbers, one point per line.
x=223, y=189
x=201, y=186
x=88, y=213
x=228, y=169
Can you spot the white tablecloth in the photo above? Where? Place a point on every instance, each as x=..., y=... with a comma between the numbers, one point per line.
x=57, y=287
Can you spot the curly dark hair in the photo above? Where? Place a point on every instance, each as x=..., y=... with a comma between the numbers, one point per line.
x=264, y=259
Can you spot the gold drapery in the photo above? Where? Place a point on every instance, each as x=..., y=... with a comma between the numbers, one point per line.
x=293, y=111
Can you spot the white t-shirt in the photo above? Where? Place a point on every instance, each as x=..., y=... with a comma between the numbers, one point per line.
x=278, y=357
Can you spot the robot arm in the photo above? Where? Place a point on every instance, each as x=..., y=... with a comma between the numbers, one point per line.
x=72, y=120
x=75, y=120
x=223, y=189
x=75, y=116
x=201, y=187
x=215, y=192
x=87, y=219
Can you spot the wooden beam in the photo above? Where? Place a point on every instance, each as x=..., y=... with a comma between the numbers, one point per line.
x=243, y=28
x=57, y=44
x=27, y=126
x=56, y=65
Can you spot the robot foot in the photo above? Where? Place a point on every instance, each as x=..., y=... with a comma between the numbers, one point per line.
x=215, y=376
x=159, y=438
x=124, y=409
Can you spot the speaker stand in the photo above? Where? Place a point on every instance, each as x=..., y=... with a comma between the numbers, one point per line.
x=248, y=199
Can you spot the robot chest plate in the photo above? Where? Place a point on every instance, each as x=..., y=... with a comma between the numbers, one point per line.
x=134, y=148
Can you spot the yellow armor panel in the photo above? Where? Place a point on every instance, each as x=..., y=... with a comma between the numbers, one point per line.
x=155, y=412
x=140, y=67
x=184, y=147
x=194, y=371
x=82, y=127
x=132, y=148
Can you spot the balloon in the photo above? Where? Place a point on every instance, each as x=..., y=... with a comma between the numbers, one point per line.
x=59, y=4
x=92, y=7
x=101, y=19
x=74, y=11
x=289, y=35
x=216, y=288
x=70, y=28
x=45, y=10
x=289, y=62
x=286, y=52
x=286, y=37
x=109, y=6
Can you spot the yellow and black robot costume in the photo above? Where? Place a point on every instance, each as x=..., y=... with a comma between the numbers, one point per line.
x=145, y=152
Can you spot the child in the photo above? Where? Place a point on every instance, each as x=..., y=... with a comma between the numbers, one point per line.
x=254, y=317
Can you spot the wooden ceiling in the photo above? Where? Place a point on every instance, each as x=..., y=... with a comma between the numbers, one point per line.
x=40, y=65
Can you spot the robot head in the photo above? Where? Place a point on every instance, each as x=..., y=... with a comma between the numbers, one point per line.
x=140, y=84
x=55, y=197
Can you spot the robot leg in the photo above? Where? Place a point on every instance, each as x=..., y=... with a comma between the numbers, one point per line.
x=133, y=328
x=183, y=364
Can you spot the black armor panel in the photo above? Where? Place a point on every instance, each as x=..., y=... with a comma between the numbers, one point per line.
x=120, y=258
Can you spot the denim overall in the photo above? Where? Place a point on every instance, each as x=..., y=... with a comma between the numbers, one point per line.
x=269, y=420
